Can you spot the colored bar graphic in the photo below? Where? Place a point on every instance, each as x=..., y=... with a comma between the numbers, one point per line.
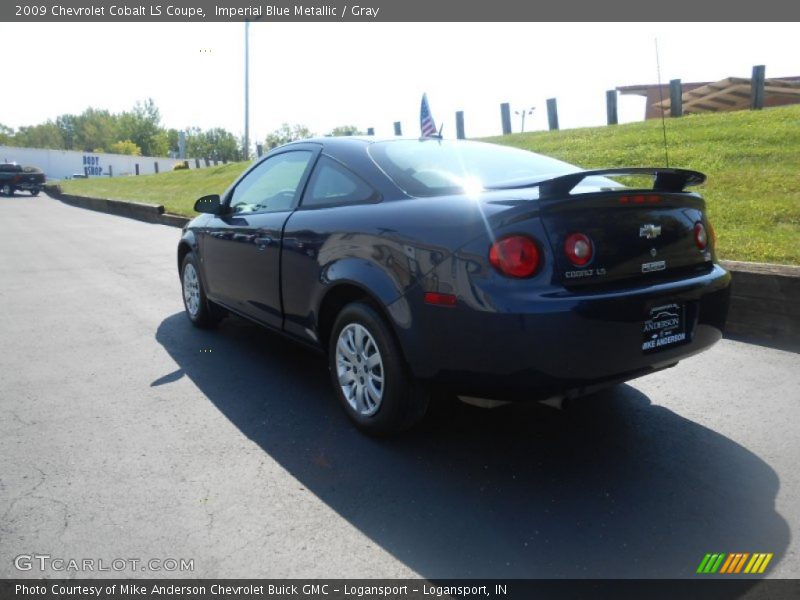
x=732, y=558
x=764, y=564
x=717, y=563
x=733, y=563
x=749, y=566
x=741, y=562
x=703, y=563
x=757, y=565
x=711, y=562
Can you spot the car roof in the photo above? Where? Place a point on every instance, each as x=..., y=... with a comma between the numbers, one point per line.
x=340, y=141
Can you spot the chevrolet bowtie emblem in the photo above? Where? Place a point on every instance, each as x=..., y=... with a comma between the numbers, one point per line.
x=650, y=231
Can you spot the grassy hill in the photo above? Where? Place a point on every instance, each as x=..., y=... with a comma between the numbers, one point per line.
x=752, y=159
x=176, y=190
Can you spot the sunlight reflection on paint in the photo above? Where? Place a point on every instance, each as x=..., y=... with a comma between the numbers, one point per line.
x=472, y=187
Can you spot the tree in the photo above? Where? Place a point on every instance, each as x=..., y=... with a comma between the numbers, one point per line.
x=287, y=133
x=172, y=141
x=46, y=135
x=98, y=130
x=225, y=144
x=346, y=130
x=125, y=147
x=94, y=129
x=67, y=125
x=142, y=127
x=6, y=135
x=216, y=144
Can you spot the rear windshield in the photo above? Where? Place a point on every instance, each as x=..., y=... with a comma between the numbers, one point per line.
x=438, y=167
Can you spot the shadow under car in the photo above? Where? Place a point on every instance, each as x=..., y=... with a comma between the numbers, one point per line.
x=614, y=487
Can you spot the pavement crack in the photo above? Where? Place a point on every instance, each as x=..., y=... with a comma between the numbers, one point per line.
x=18, y=498
x=63, y=505
x=20, y=419
x=209, y=513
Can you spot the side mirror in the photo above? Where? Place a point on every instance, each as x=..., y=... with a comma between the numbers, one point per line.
x=210, y=204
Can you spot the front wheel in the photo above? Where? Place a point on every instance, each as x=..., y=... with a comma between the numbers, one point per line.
x=6, y=190
x=35, y=191
x=199, y=309
x=369, y=375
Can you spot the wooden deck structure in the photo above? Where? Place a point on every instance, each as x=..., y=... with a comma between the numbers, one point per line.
x=731, y=93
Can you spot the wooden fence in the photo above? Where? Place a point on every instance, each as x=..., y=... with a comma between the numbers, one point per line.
x=757, y=87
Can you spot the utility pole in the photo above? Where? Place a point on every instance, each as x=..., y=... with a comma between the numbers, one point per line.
x=522, y=113
x=246, y=149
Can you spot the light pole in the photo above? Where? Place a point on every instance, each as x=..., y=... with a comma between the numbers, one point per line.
x=246, y=149
x=522, y=113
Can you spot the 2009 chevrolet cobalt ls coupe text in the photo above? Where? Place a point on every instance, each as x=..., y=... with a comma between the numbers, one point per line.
x=485, y=270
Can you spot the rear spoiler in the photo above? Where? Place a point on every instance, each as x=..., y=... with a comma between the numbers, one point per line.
x=664, y=180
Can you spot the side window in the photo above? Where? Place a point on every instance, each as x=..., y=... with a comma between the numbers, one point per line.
x=272, y=185
x=333, y=184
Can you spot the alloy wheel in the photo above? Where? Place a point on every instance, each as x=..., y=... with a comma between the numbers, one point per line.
x=191, y=290
x=359, y=368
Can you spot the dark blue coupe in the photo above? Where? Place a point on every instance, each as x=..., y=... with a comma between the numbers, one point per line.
x=476, y=269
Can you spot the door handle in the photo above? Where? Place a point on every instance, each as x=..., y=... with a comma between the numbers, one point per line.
x=263, y=241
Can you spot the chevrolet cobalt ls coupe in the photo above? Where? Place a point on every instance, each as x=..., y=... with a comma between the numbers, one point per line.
x=488, y=271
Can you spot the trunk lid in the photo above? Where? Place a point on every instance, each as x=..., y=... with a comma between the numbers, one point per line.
x=635, y=235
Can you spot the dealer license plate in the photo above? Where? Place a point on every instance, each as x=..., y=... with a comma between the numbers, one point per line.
x=664, y=327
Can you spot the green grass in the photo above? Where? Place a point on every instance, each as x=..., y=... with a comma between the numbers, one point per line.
x=176, y=190
x=752, y=159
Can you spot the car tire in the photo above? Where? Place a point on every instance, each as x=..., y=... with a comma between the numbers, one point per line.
x=7, y=190
x=35, y=192
x=369, y=375
x=201, y=312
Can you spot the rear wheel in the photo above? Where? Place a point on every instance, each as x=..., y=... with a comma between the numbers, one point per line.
x=199, y=309
x=35, y=191
x=369, y=375
x=7, y=190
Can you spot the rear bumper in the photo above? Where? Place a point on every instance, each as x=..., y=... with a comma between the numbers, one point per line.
x=29, y=185
x=562, y=340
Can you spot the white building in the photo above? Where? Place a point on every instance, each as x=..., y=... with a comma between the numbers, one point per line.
x=62, y=164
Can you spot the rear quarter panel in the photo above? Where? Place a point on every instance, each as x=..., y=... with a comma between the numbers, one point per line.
x=386, y=248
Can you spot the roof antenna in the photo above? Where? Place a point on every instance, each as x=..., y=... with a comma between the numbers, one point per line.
x=661, y=104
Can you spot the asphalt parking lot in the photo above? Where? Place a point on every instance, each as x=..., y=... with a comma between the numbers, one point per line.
x=127, y=433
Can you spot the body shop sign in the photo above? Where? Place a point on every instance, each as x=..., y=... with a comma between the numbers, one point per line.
x=91, y=165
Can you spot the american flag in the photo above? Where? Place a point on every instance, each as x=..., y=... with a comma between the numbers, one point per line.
x=426, y=123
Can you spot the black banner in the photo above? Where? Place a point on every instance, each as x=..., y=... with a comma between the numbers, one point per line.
x=410, y=589
x=392, y=10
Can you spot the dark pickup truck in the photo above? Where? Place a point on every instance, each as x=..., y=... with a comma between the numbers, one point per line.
x=14, y=177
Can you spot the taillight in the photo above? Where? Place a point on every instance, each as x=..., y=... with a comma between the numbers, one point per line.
x=700, y=236
x=639, y=199
x=515, y=256
x=578, y=248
